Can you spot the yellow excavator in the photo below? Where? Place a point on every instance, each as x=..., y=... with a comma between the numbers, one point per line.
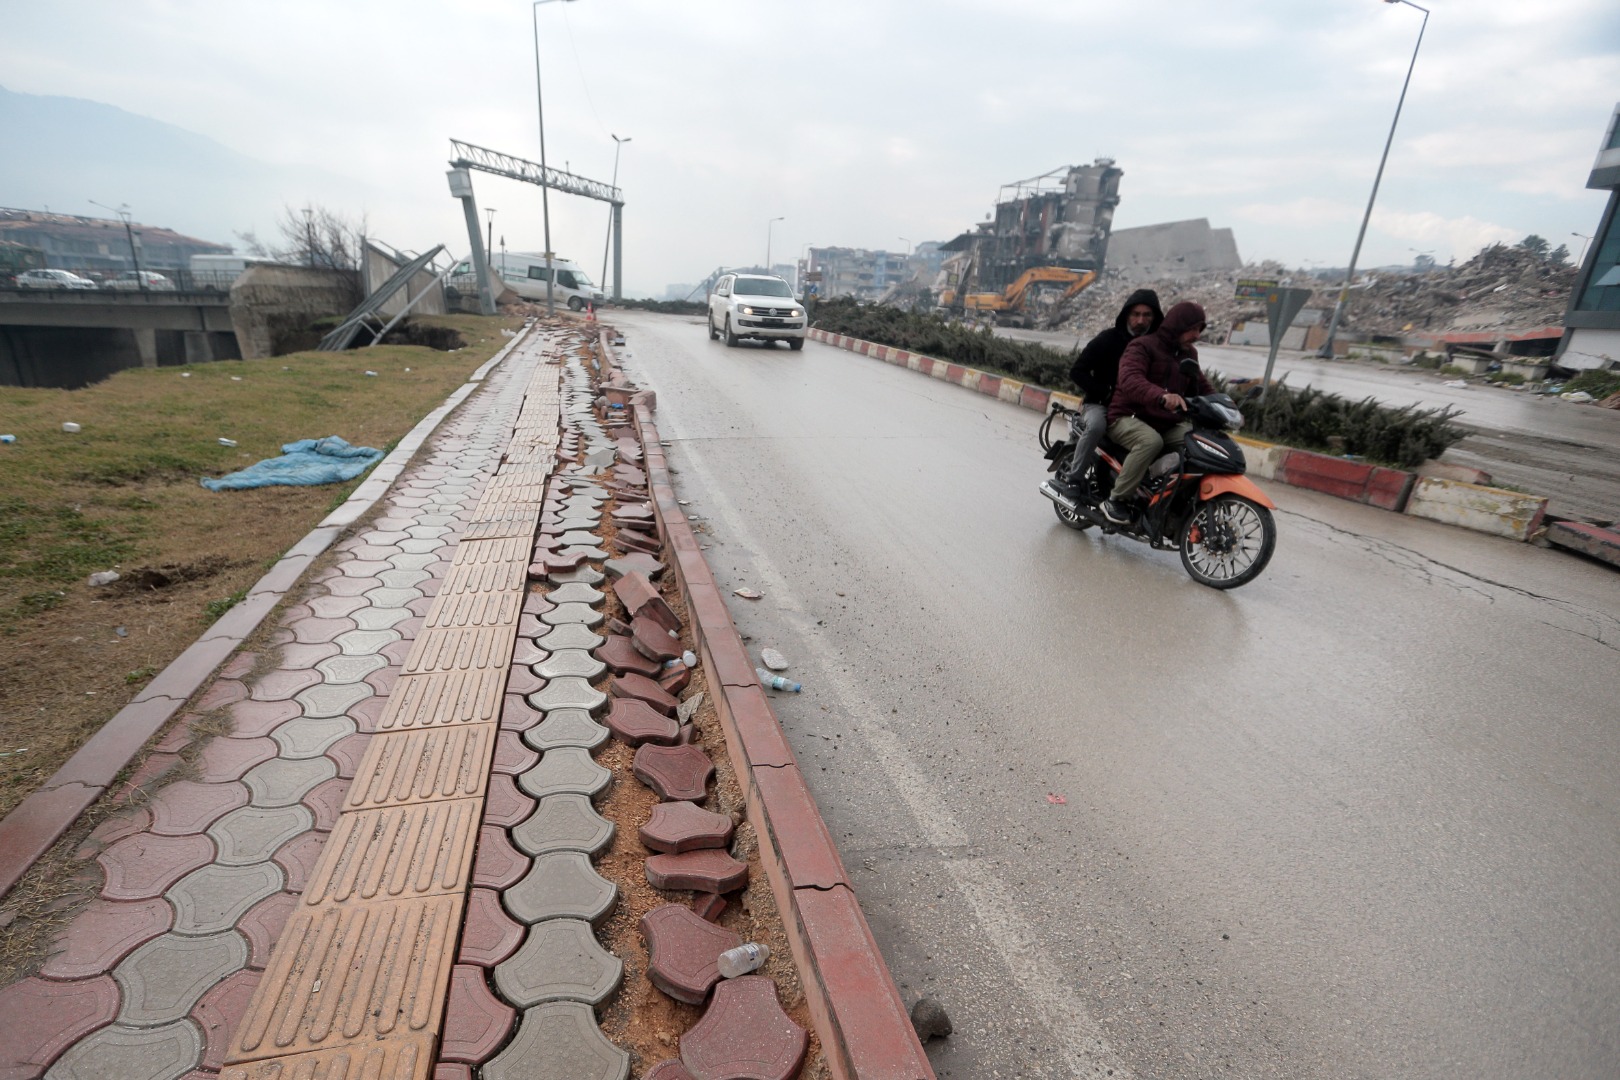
x=1011, y=306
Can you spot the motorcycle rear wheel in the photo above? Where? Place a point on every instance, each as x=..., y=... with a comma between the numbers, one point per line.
x=1227, y=541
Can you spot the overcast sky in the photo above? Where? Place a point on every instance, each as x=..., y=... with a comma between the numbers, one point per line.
x=864, y=122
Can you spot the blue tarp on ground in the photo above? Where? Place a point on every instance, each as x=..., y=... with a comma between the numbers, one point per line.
x=305, y=462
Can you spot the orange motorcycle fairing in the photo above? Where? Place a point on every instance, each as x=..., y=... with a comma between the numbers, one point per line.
x=1211, y=486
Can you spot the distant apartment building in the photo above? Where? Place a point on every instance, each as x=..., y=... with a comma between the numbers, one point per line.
x=1592, y=323
x=857, y=272
x=81, y=244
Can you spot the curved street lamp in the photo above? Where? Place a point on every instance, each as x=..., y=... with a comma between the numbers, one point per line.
x=768, y=226
x=1326, y=351
x=618, y=144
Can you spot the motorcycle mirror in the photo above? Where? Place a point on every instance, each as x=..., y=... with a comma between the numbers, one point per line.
x=1189, y=368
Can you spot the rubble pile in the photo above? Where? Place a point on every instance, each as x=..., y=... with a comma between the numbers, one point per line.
x=1500, y=288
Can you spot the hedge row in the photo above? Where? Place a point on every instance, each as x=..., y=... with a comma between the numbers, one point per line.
x=945, y=340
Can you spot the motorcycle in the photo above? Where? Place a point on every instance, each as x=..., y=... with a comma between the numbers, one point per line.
x=1197, y=501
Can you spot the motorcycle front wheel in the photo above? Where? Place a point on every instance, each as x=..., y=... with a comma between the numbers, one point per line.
x=1227, y=541
x=1078, y=522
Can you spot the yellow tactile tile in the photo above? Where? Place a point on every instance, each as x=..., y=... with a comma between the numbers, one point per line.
x=352, y=976
x=409, y=1058
x=445, y=762
x=475, y=609
x=460, y=648
x=442, y=698
x=397, y=853
x=508, y=549
x=505, y=522
x=486, y=577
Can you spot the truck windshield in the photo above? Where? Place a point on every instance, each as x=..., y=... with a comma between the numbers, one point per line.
x=758, y=286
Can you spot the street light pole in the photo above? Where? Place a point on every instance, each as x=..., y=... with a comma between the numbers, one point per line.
x=134, y=252
x=540, y=113
x=768, y=226
x=1585, y=240
x=906, y=242
x=618, y=144
x=489, y=234
x=1350, y=274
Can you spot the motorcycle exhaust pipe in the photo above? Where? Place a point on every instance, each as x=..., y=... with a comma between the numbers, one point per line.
x=1058, y=497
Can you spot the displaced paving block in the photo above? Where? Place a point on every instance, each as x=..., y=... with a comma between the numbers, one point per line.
x=669, y=1070
x=674, y=772
x=683, y=826
x=683, y=952
x=584, y=574
x=564, y=823
x=566, y=727
x=634, y=722
x=566, y=770
x=634, y=563
x=631, y=540
x=653, y=640
x=704, y=870
x=561, y=885
x=559, y=1040
x=644, y=689
x=745, y=1033
x=560, y=960
x=622, y=656
x=709, y=906
x=640, y=597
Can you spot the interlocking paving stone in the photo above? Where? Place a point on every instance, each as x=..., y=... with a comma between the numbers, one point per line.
x=416, y=765
x=585, y=574
x=566, y=727
x=142, y=866
x=568, y=693
x=745, y=1033
x=366, y=642
x=39, y=1019
x=567, y=769
x=334, y=607
x=186, y=807
x=385, y=598
x=511, y=756
x=639, y=686
x=254, y=719
x=561, y=885
x=640, y=597
x=476, y=1022
x=559, y=1041
x=325, y=800
x=634, y=563
x=283, y=781
x=579, y=537
x=669, y=1070
x=576, y=592
x=349, y=669
x=229, y=759
x=219, y=1011
x=526, y=652
x=488, y=935
x=282, y=684
x=522, y=681
x=297, y=859
x=504, y=804
x=348, y=753
x=631, y=540
x=621, y=655
x=253, y=833
x=400, y=852
x=497, y=864
x=583, y=614
x=674, y=772
x=675, y=680
x=518, y=715
x=569, y=636
x=570, y=662
x=353, y=973
x=163, y=979
x=582, y=550
x=560, y=960
x=310, y=737
x=684, y=826
x=263, y=924
x=564, y=823
x=130, y=1053
x=212, y=899
x=100, y=936
x=709, y=906
x=703, y=870
x=652, y=640
x=444, y=697
x=683, y=951
x=634, y=722
x=375, y=618
x=414, y=561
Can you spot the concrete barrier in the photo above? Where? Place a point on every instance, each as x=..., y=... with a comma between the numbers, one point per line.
x=1474, y=506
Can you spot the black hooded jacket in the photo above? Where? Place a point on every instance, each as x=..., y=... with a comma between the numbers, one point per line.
x=1096, y=369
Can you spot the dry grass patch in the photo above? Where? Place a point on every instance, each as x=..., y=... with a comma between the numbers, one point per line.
x=123, y=494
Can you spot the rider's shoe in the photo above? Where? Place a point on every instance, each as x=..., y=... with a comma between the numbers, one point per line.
x=1067, y=490
x=1115, y=513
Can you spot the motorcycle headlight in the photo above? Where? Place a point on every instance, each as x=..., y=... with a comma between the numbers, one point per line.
x=1233, y=417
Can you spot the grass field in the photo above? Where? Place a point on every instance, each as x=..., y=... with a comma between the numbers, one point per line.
x=123, y=494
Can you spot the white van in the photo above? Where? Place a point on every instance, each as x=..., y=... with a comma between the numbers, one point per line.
x=525, y=274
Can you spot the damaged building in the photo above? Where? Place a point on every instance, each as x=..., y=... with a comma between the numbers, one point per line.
x=1173, y=248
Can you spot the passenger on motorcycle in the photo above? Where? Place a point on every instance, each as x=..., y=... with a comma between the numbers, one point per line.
x=1145, y=414
x=1096, y=371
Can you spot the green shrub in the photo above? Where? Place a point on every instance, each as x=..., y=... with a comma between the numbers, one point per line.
x=1600, y=384
x=942, y=339
x=1505, y=378
x=665, y=307
x=1452, y=369
x=1311, y=419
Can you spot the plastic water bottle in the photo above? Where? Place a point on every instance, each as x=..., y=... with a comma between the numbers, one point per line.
x=686, y=659
x=8, y=439
x=777, y=682
x=227, y=442
x=743, y=959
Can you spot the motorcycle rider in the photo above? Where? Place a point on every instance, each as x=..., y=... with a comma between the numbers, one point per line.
x=1095, y=372
x=1144, y=416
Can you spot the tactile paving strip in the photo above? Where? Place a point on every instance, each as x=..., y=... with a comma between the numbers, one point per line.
x=357, y=983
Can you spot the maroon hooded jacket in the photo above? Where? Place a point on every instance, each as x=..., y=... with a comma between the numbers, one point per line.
x=1151, y=368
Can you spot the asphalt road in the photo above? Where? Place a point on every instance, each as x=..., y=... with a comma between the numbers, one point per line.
x=1356, y=819
x=1561, y=449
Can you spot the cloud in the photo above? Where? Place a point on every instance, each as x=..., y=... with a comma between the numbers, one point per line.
x=1442, y=234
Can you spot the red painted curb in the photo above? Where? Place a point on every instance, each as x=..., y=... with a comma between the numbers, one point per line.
x=865, y=1031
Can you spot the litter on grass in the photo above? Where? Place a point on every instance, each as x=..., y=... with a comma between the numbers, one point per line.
x=306, y=462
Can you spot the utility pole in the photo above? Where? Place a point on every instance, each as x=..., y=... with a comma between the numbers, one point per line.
x=545, y=191
x=134, y=249
x=618, y=144
x=489, y=230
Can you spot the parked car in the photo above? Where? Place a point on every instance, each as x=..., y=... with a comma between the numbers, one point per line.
x=141, y=279
x=53, y=279
x=756, y=306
